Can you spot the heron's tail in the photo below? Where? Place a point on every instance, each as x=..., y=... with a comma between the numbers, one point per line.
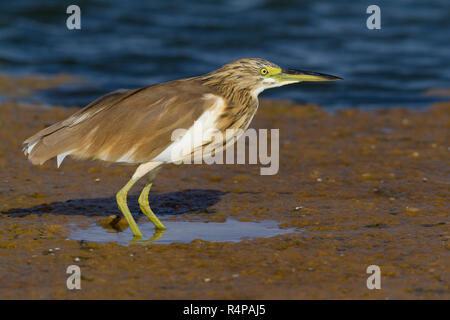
x=54, y=141
x=63, y=138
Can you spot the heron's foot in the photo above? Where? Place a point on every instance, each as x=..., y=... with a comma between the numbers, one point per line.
x=156, y=236
x=121, y=197
x=145, y=208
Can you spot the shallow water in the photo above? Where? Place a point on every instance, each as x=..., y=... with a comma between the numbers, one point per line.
x=184, y=231
x=128, y=44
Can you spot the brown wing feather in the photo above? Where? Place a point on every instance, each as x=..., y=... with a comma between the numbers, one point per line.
x=137, y=123
x=98, y=104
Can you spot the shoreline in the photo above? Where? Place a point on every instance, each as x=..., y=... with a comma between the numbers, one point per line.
x=370, y=187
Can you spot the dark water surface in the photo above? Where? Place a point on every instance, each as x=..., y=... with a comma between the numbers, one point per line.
x=127, y=44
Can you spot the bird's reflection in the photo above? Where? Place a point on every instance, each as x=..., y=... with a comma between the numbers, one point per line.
x=141, y=240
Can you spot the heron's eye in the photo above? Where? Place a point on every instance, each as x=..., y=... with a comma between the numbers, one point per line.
x=263, y=71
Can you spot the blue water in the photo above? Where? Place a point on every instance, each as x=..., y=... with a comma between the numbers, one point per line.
x=127, y=44
x=184, y=231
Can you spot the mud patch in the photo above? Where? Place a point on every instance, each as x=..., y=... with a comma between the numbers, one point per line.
x=26, y=85
x=368, y=187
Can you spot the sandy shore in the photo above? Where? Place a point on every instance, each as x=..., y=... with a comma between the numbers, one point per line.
x=363, y=187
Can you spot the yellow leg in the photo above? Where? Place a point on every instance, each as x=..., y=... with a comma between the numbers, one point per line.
x=121, y=197
x=156, y=236
x=145, y=207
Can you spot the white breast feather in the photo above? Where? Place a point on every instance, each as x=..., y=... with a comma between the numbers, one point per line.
x=193, y=137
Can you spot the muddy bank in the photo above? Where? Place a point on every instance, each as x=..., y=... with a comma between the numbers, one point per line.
x=364, y=187
x=22, y=86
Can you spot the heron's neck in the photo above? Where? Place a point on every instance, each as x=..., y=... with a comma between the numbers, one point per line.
x=235, y=94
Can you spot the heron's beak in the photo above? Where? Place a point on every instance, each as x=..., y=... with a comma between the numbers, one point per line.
x=298, y=75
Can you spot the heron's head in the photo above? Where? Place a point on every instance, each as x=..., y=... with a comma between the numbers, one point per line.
x=256, y=75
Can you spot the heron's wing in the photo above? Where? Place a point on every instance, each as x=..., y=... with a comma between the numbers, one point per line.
x=95, y=106
x=126, y=126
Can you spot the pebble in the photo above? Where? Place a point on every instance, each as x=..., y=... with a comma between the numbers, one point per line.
x=424, y=179
x=76, y=259
x=298, y=208
x=235, y=275
x=319, y=179
x=207, y=279
x=97, y=180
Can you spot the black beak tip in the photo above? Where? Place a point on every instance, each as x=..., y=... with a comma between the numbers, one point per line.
x=336, y=78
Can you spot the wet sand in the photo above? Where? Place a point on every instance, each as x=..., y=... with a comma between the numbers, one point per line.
x=360, y=187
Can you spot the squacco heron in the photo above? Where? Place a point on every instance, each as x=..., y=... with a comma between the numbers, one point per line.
x=135, y=126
